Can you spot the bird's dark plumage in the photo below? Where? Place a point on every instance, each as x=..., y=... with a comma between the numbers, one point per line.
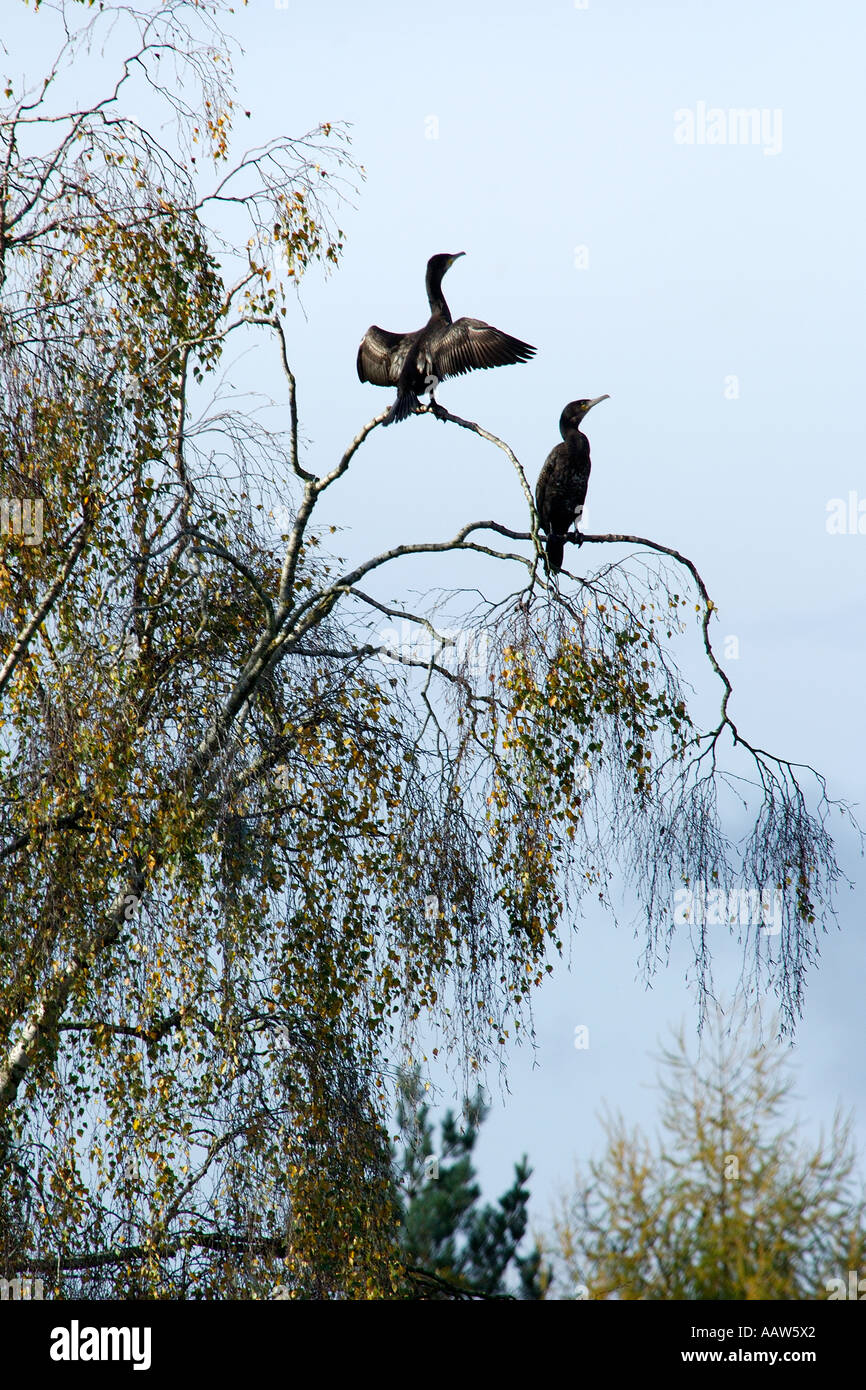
x=417, y=362
x=562, y=483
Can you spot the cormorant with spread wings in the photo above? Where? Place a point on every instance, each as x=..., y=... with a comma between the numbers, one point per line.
x=417, y=362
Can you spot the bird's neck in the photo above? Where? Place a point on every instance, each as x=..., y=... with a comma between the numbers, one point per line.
x=436, y=299
x=575, y=441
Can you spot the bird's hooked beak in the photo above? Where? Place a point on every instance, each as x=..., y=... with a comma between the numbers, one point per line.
x=590, y=404
x=455, y=257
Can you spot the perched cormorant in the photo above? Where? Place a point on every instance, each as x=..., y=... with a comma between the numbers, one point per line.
x=561, y=488
x=417, y=362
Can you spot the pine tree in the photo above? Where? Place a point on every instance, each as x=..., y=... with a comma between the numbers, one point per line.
x=452, y=1246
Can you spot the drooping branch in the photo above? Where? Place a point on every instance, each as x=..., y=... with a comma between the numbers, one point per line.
x=21, y=645
x=42, y=1026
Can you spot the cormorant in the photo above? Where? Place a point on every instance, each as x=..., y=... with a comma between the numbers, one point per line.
x=417, y=362
x=561, y=488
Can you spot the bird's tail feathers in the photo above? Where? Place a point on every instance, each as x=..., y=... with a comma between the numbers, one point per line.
x=402, y=408
x=555, y=553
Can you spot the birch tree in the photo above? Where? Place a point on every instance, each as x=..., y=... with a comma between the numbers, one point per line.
x=246, y=846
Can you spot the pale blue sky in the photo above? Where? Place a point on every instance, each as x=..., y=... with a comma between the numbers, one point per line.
x=556, y=130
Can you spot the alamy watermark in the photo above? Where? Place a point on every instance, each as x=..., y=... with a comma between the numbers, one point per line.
x=22, y=517
x=729, y=125
x=846, y=518
x=701, y=906
x=855, y=1288
x=467, y=646
x=77, y=1343
x=21, y=1288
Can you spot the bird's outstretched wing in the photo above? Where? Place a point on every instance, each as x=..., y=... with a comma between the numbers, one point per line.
x=467, y=344
x=381, y=356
